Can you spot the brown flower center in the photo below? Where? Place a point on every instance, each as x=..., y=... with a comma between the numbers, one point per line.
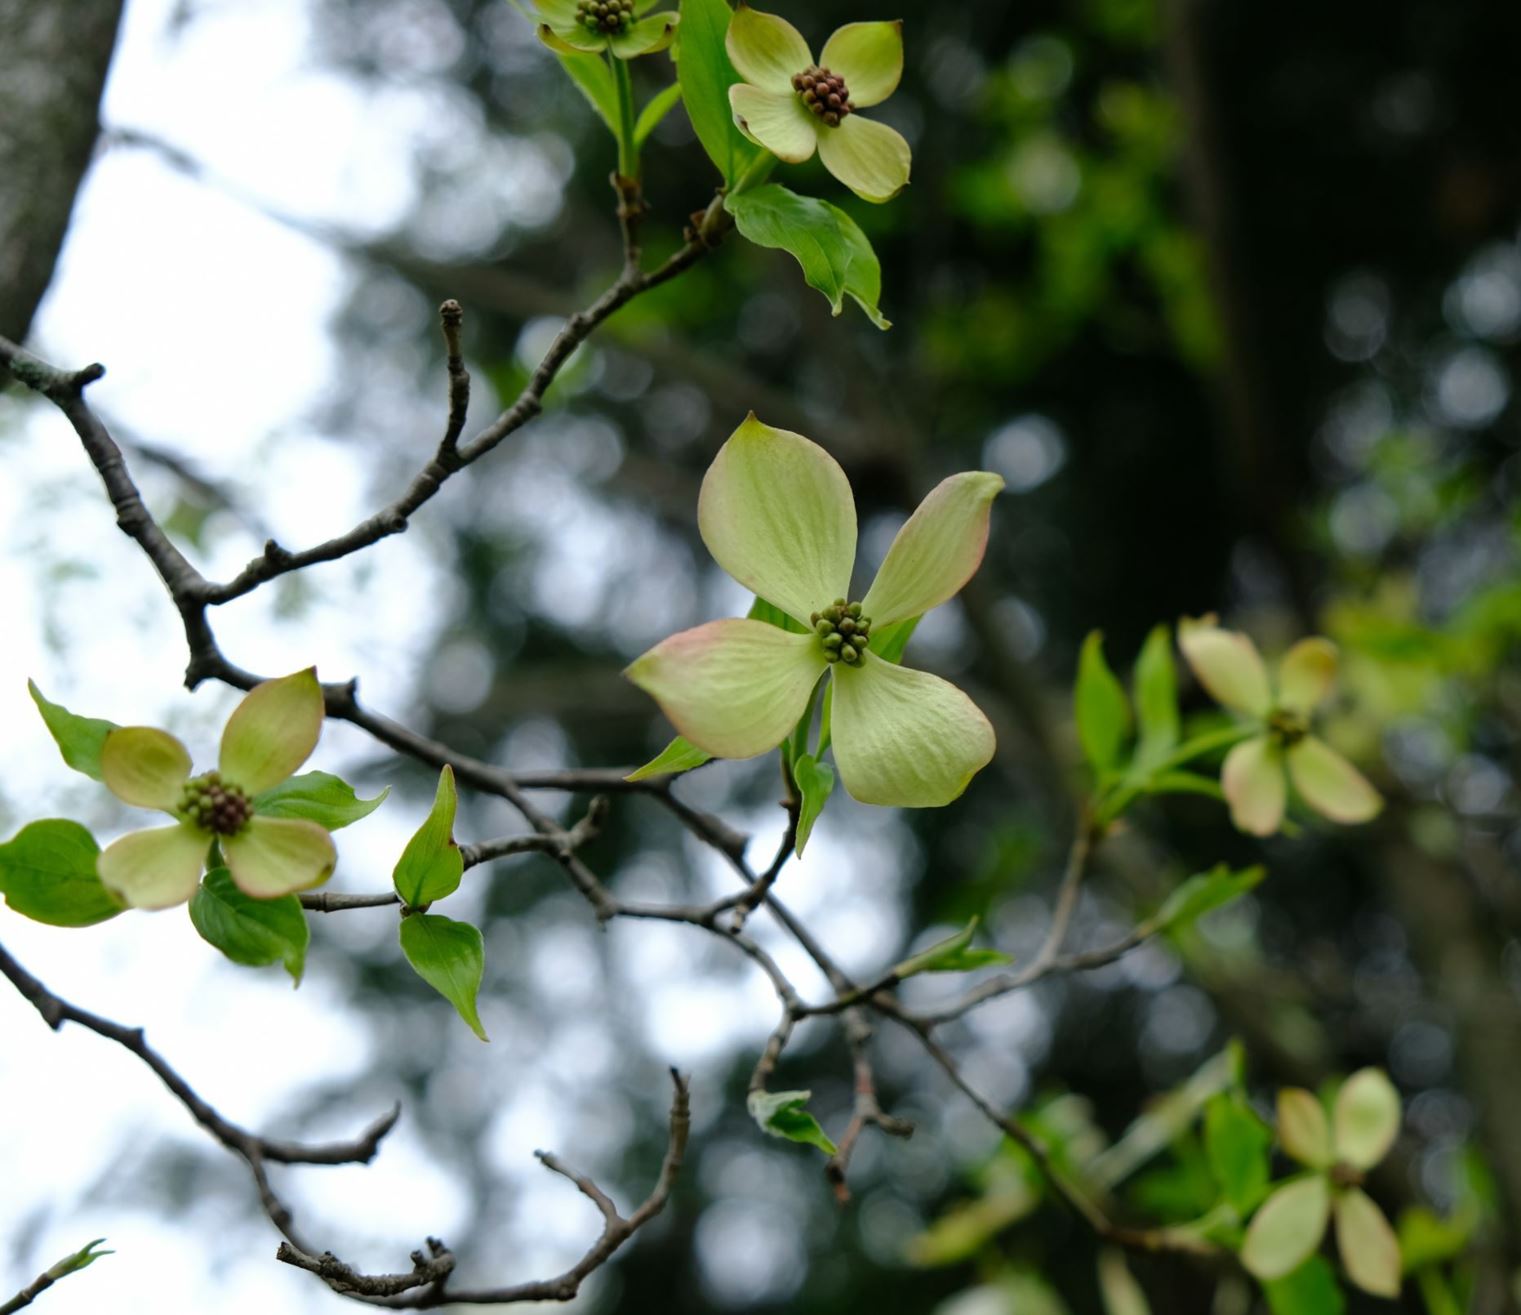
x=213, y=806
x=843, y=631
x=824, y=93
x=605, y=15
x=1343, y=1175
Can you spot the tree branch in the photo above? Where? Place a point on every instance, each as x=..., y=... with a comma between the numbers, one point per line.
x=56, y=1012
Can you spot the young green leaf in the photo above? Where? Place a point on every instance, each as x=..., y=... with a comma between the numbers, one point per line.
x=1205, y=892
x=705, y=75
x=319, y=797
x=1238, y=1144
x=450, y=956
x=86, y=1256
x=79, y=739
x=1103, y=715
x=1428, y=1239
x=47, y=873
x=782, y=1114
x=889, y=642
x=835, y=254
x=1156, y=700
x=253, y=932
x=680, y=755
x=814, y=781
x=659, y=105
x=1181, y=782
x=594, y=80
x=1309, y=1290
x=955, y=954
x=430, y=866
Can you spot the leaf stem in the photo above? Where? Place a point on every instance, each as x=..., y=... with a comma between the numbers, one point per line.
x=628, y=147
x=756, y=172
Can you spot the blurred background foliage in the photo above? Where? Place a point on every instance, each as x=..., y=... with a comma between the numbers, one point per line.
x=1230, y=294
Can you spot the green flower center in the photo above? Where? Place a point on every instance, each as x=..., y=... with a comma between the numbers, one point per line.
x=824, y=93
x=1287, y=728
x=843, y=632
x=213, y=806
x=605, y=15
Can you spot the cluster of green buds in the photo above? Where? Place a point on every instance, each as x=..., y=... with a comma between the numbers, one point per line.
x=843, y=631
x=213, y=806
x=605, y=15
x=1287, y=727
x=824, y=93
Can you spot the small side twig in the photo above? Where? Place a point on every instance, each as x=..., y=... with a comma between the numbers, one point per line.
x=452, y=318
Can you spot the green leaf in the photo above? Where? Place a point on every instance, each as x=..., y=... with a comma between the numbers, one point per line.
x=1205, y=892
x=1428, y=1239
x=659, y=105
x=815, y=781
x=47, y=873
x=1103, y=715
x=835, y=254
x=772, y=615
x=705, y=76
x=1238, y=1144
x=889, y=642
x=1181, y=782
x=253, y=932
x=594, y=80
x=450, y=957
x=1156, y=700
x=1309, y=1290
x=955, y=954
x=430, y=866
x=680, y=755
x=782, y=1114
x=79, y=738
x=86, y=1256
x=319, y=797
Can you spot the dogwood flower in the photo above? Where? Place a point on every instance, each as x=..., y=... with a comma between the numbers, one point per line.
x=1230, y=668
x=777, y=514
x=792, y=106
x=269, y=735
x=1288, y=1227
x=592, y=26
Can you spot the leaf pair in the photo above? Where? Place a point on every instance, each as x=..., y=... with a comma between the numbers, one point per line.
x=449, y=955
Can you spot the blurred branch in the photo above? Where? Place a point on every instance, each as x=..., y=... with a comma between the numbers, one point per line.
x=56, y=1012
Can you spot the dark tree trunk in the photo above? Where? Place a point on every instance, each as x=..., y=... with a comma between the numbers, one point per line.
x=54, y=56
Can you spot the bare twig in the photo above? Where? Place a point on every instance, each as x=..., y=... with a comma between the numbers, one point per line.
x=452, y=317
x=56, y=1012
x=400, y=1291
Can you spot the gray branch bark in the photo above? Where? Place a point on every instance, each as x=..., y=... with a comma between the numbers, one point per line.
x=54, y=56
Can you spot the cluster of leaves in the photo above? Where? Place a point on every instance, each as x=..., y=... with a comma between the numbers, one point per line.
x=1201, y=1159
